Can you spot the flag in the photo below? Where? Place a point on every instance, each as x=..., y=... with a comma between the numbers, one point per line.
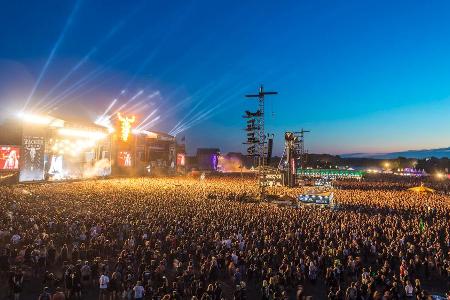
x=183, y=139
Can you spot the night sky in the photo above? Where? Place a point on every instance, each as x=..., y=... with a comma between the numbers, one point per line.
x=363, y=76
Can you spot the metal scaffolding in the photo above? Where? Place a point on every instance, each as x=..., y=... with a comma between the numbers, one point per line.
x=256, y=138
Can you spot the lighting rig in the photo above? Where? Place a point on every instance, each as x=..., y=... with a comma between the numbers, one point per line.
x=256, y=137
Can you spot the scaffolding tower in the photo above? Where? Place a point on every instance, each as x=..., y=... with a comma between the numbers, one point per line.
x=256, y=138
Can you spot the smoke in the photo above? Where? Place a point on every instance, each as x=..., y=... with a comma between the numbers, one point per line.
x=232, y=164
x=100, y=168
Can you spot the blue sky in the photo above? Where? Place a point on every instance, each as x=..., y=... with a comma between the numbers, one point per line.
x=363, y=76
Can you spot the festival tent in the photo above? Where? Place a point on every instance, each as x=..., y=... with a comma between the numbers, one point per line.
x=421, y=189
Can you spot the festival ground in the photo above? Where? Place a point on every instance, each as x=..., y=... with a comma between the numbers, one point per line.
x=201, y=238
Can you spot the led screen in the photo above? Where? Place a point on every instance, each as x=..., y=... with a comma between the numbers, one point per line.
x=9, y=157
x=125, y=159
x=32, y=167
x=181, y=160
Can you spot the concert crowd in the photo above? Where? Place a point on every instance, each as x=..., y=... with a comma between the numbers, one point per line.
x=190, y=239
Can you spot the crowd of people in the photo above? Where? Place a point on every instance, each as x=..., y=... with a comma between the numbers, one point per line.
x=180, y=238
x=394, y=182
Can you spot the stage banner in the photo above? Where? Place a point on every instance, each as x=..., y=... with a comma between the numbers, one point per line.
x=32, y=165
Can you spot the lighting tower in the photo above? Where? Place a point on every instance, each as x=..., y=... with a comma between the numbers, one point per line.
x=300, y=148
x=259, y=140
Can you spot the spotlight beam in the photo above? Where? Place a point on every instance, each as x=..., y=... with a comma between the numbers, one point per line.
x=149, y=123
x=170, y=97
x=202, y=99
x=74, y=88
x=135, y=106
x=187, y=115
x=193, y=118
x=201, y=113
x=153, y=95
x=200, y=116
x=109, y=108
x=139, y=109
x=53, y=51
x=84, y=59
x=148, y=117
x=128, y=102
x=183, y=14
x=108, y=36
x=221, y=83
x=120, y=56
x=206, y=114
x=86, y=92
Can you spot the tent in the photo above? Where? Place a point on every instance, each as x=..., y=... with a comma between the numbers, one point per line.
x=421, y=189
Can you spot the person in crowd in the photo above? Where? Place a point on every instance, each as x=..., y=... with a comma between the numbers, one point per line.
x=17, y=283
x=139, y=291
x=103, y=286
x=59, y=294
x=45, y=295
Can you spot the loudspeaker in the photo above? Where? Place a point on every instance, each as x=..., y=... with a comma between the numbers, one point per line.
x=269, y=150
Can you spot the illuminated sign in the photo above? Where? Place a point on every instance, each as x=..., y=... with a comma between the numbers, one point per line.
x=125, y=126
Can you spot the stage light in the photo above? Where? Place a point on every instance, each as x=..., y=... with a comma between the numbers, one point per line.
x=35, y=119
x=105, y=122
x=82, y=133
x=149, y=134
x=439, y=175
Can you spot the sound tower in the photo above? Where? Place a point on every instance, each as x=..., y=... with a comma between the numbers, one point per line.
x=269, y=150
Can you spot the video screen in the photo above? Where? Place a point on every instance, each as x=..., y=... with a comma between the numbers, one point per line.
x=214, y=161
x=9, y=157
x=124, y=159
x=181, y=159
x=172, y=159
x=32, y=167
x=56, y=171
